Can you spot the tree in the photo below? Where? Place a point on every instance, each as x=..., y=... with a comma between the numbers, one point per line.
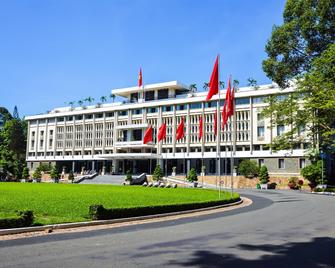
x=71, y=103
x=81, y=103
x=222, y=84
x=129, y=175
x=54, y=174
x=252, y=83
x=112, y=96
x=16, y=113
x=263, y=175
x=103, y=99
x=25, y=173
x=308, y=30
x=158, y=173
x=90, y=100
x=192, y=175
x=37, y=173
x=193, y=87
x=248, y=168
x=205, y=87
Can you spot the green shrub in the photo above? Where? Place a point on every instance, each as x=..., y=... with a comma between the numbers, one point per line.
x=24, y=219
x=313, y=173
x=158, y=173
x=293, y=183
x=263, y=175
x=192, y=175
x=25, y=173
x=98, y=212
x=45, y=167
x=248, y=168
x=37, y=173
x=54, y=174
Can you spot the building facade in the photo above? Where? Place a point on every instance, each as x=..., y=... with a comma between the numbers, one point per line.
x=108, y=137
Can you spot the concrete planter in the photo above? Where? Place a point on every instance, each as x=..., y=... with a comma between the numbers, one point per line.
x=37, y=180
x=264, y=186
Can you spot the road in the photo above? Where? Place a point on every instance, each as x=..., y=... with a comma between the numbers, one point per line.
x=280, y=229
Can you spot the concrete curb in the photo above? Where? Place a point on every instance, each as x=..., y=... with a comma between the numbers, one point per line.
x=323, y=193
x=102, y=222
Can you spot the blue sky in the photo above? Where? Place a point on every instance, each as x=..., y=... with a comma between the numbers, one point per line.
x=57, y=51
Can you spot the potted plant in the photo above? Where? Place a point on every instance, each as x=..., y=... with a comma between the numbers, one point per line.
x=263, y=177
x=158, y=173
x=192, y=177
x=293, y=183
x=129, y=176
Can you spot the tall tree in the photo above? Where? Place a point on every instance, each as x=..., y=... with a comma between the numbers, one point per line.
x=307, y=31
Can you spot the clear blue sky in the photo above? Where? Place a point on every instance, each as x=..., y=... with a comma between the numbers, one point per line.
x=63, y=50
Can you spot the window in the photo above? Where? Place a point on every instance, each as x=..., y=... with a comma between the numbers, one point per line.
x=196, y=105
x=151, y=110
x=109, y=114
x=149, y=95
x=210, y=104
x=33, y=134
x=301, y=129
x=137, y=111
x=79, y=117
x=281, y=163
x=167, y=108
x=51, y=132
x=260, y=117
x=260, y=162
x=302, y=163
x=242, y=101
x=122, y=113
x=257, y=100
x=88, y=116
x=260, y=132
x=163, y=94
x=134, y=97
x=69, y=118
x=181, y=107
x=60, y=119
x=101, y=115
x=280, y=130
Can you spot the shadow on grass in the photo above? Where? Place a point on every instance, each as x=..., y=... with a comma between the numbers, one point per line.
x=315, y=253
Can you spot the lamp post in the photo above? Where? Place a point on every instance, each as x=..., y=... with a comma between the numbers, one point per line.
x=322, y=155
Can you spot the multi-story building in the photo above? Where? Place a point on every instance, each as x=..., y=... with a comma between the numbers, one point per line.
x=109, y=137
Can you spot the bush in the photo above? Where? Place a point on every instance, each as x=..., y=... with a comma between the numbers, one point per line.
x=263, y=175
x=293, y=183
x=313, y=173
x=44, y=167
x=158, y=173
x=129, y=175
x=37, y=173
x=248, y=168
x=192, y=175
x=25, y=173
x=24, y=219
x=98, y=212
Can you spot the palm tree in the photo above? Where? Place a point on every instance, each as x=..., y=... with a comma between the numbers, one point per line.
x=81, y=103
x=193, y=87
x=71, y=103
x=89, y=100
x=205, y=87
x=252, y=83
x=221, y=83
x=236, y=83
x=103, y=99
x=112, y=96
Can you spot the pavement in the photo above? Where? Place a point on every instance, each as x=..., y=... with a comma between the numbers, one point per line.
x=105, y=179
x=279, y=229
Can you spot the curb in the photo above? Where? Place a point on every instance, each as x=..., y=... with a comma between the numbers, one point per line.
x=102, y=222
x=323, y=193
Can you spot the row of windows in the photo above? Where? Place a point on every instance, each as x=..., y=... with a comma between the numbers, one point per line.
x=281, y=163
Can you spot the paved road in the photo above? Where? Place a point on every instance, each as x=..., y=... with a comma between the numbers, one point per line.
x=280, y=229
x=106, y=179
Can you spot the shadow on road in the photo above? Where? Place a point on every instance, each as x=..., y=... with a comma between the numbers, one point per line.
x=315, y=253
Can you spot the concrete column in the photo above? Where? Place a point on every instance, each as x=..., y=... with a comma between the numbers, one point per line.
x=188, y=130
x=73, y=165
x=115, y=132
x=174, y=130
x=93, y=165
x=93, y=137
x=251, y=125
x=104, y=133
x=188, y=165
x=83, y=138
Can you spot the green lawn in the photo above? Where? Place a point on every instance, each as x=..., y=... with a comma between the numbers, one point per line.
x=59, y=203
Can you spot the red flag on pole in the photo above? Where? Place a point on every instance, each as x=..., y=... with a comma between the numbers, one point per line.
x=226, y=112
x=200, y=127
x=230, y=109
x=162, y=132
x=180, y=130
x=215, y=123
x=147, y=135
x=140, y=78
x=214, y=82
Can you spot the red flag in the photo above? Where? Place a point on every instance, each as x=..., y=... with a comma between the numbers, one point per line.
x=148, y=135
x=180, y=130
x=162, y=132
x=226, y=112
x=200, y=127
x=140, y=78
x=214, y=82
x=215, y=123
x=232, y=97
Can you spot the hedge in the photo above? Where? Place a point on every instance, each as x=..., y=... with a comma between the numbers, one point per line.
x=98, y=212
x=24, y=219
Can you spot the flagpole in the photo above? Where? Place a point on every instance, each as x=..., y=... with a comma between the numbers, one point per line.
x=219, y=129
x=233, y=133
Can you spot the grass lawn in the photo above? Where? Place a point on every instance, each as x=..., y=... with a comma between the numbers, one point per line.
x=59, y=203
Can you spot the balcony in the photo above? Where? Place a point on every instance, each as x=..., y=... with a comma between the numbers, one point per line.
x=132, y=144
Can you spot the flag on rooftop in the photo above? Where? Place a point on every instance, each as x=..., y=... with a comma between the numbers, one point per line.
x=214, y=81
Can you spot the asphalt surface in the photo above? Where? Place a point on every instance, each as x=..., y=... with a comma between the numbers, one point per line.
x=280, y=229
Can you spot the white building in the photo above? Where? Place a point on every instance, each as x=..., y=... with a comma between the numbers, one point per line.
x=109, y=136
